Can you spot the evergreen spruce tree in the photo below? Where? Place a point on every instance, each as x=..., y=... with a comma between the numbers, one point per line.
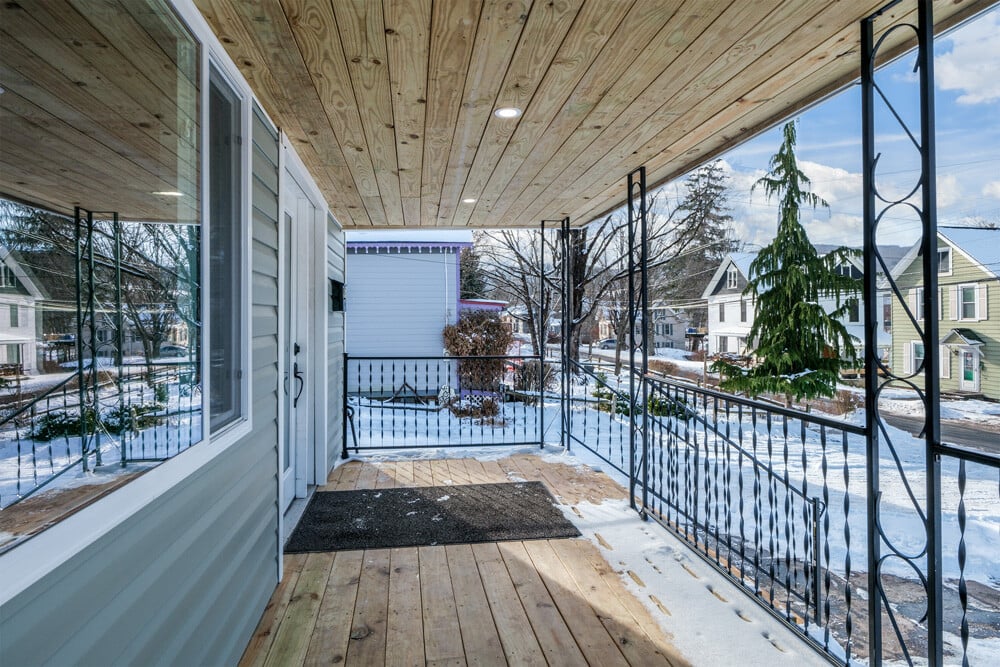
x=799, y=347
x=705, y=212
x=473, y=283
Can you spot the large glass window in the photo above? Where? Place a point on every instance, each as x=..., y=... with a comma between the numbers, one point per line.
x=100, y=250
x=225, y=311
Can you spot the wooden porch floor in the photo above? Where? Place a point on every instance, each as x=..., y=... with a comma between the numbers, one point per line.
x=555, y=602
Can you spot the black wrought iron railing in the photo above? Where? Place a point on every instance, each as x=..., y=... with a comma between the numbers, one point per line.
x=130, y=413
x=431, y=402
x=762, y=493
x=970, y=546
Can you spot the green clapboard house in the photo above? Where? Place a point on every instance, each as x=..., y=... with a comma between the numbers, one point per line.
x=968, y=311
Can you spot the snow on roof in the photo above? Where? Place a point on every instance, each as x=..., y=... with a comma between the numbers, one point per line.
x=982, y=245
x=436, y=236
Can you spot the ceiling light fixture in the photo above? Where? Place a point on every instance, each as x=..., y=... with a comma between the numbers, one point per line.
x=469, y=200
x=169, y=193
x=507, y=112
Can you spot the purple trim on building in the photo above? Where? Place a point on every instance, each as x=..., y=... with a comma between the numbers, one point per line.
x=410, y=246
x=481, y=304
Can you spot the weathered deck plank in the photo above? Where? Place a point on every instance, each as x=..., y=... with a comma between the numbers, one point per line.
x=555, y=602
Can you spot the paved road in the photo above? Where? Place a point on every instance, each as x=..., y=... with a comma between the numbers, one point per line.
x=953, y=433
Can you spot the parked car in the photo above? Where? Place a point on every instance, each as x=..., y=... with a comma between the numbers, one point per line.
x=169, y=350
x=608, y=344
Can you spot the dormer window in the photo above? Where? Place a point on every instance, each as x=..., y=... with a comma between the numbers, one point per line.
x=732, y=280
x=7, y=278
x=944, y=260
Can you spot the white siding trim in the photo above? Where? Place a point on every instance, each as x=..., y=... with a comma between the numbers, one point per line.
x=944, y=357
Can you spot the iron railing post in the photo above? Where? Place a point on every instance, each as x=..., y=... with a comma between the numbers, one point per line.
x=81, y=386
x=345, y=406
x=631, y=347
x=119, y=329
x=925, y=322
x=871, y=336
x=932, y=430
x=817, y=591
x=543, y=336
x=567, y=329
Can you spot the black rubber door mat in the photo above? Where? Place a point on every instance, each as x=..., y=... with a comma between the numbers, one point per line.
x=429, y=515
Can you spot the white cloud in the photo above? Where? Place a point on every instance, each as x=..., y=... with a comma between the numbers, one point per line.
x=949, y=191
x=972, y=64
x=992, y=189
x=832, y=183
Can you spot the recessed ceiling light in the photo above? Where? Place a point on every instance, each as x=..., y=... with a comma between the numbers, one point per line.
x=469, y=200
x=169, y=193
x=507, y=112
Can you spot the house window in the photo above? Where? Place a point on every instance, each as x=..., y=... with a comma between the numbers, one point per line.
x=853, y=311
x=917, y=354
x=13, y=353
x=743, y=310
x=723, y=344
x=15, y=316
x=225, y=265
x=668, y=329
x=887, y=313
x=968, y=302
x=7, y=278
x=944, y=260
x=732, y=278
x=917, y=303
x=722, y=312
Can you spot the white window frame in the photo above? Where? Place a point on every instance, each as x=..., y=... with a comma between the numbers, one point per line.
x=960, y=302
x=946, y=251
x=944, y=362
x=732, y=278
x=241, y=425
x=910, y=364
x=722, y=311
x=15, y=316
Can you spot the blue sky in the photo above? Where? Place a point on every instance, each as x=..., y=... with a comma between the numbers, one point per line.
x=967, y=103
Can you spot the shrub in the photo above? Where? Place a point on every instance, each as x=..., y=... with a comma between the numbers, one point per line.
x=478, y=333
x=847, y=401
x=663, y=367
x=526, y=376
x=59, y=424
x=117, y=420
x=161, y=394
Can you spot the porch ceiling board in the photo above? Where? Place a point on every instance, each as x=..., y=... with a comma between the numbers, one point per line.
x=390, y=103
x=409, y=87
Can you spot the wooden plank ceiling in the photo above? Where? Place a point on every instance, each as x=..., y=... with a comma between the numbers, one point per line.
x=391, y=103
x=99, y=108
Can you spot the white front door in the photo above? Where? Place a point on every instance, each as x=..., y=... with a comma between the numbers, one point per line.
x=970, y=370
x=298, y=221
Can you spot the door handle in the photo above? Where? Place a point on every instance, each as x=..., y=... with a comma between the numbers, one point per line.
x=300, y=378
